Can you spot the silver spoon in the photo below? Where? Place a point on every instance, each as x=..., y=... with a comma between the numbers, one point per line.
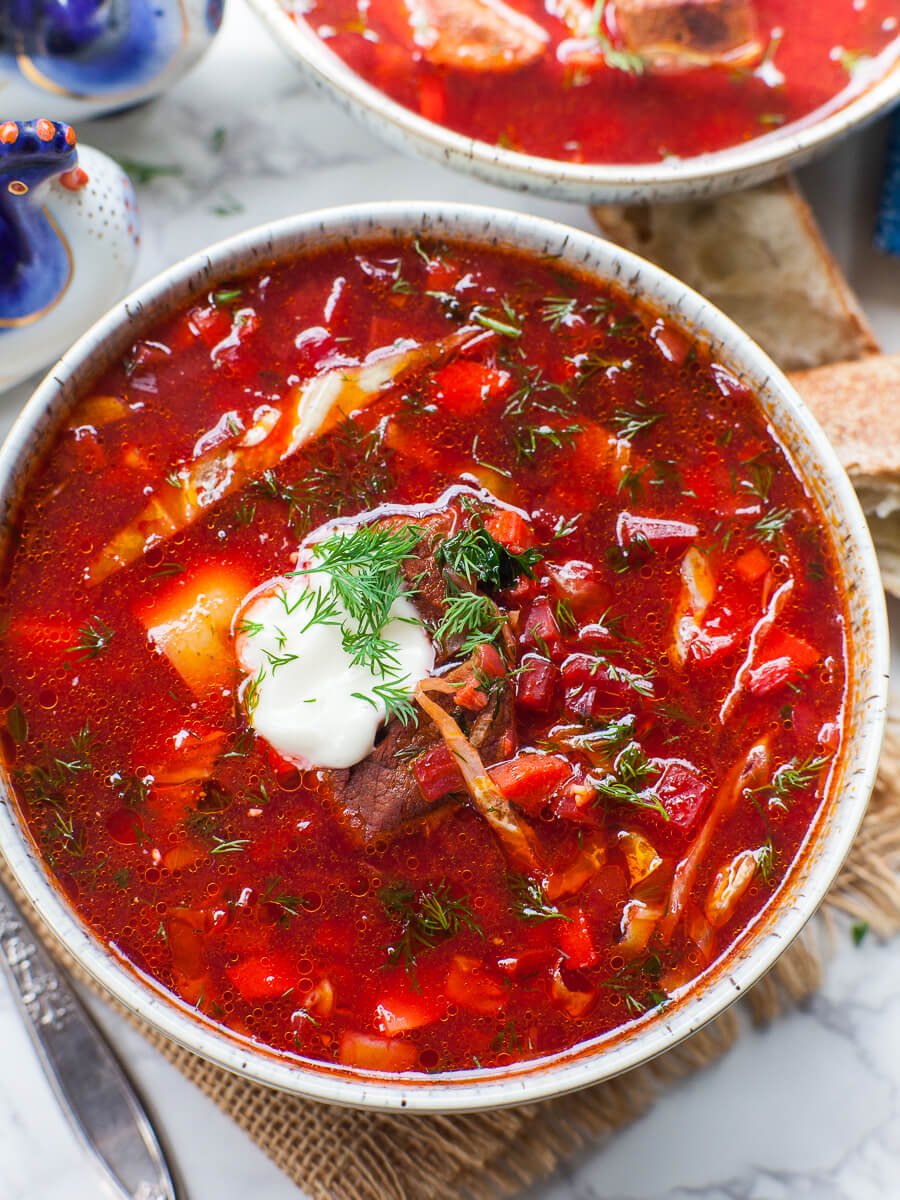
x=93, y=1090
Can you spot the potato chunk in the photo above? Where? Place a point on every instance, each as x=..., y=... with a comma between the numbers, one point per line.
x=672, y=35
x=191, y=624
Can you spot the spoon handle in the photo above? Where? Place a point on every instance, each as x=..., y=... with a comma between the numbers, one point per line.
x=93, y=1090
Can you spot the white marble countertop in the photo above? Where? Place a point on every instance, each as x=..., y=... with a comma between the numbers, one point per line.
x=808, y=1109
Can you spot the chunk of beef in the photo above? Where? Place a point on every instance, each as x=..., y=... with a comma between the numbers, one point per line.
x=680, y=34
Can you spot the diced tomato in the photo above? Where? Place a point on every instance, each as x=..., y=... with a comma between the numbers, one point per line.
x=531, y=778
x=373, y=1053
x=787, y=658
x=511, y=530
x=471, y=986
x=464, y=388
x=210, y=324
x=752, y=564
x=537, y=686
x=540, y=630
x=632, y=529
x=401, y=1008
x=437, y=773
x=576, y=939
x=263, y=976
x=579, y=584
x=443, y=275
x=684, y=795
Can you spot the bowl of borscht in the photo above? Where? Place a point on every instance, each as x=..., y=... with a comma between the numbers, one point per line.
x=442, y=661
x=610, y=100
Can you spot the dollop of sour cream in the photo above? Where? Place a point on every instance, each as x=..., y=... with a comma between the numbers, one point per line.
x=304, y=694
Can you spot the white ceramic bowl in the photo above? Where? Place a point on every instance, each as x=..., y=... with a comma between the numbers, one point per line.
x=588, y=183
x=852, y=779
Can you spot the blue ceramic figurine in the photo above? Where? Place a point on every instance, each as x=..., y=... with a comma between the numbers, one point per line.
x=68, y=242
x=88, y=57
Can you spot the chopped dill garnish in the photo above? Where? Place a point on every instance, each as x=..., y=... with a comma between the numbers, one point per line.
x=629, y=423
x=628, y=783
x=530, y=902
x=94, y=637
x=222, y=846
x=559, y=310
x=771, y=525
x=471, y=616
x=528, y=439
x=792, y=777
x=426, y=917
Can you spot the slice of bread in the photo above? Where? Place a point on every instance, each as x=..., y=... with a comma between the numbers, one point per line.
x=758, y=255
x=858, y=406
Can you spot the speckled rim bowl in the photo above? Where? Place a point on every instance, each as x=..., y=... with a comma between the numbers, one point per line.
x=852, y=776
x=589, y=183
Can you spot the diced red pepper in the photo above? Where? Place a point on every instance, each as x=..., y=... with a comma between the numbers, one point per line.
x=540, y=630
x=684, y=795
x=263, y=976
x=537, y=686
x=437, y=773
x=576, y=939
x=464, y=388
x=470, y=986
x=531, y=778
x=511, y=530
x=787, y=658
x=632, y=529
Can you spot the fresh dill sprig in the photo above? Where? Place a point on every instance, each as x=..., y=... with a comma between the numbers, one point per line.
x=529, y=900
x=426, y=917
x=559, y=310
x=630, y=422
x=792, y=777
x=771, y=525
x=93, y=638
x=528, y=439
x=628, y=783
x=634, y=983
x=480, y=558
x=473, y=617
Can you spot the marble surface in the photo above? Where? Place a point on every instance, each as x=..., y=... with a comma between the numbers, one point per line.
x=808, y=1109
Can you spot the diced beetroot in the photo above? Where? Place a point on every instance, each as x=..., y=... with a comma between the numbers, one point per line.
x=579, y=584
x=511, y=530
x=210, y=324
x=538, y=684
x=660, y=534
x=684, y=795
x=263, y=976
x=464, y=388
x=314, y=346
x=572, y=992
x=470, y=986
x=787, y=658
x=124, y=826
x=591, y=688
x=540, y=630
x=671, y=343
x=576, y=939
x=531, y=778
x=717, y=637
x=437, y=773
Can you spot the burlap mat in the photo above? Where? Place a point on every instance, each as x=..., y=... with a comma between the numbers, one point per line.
x=337, y=1154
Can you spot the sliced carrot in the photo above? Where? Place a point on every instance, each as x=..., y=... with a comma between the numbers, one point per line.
x=373, y=1053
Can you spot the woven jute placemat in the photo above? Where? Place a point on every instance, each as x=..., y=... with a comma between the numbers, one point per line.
x=339, y=1154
